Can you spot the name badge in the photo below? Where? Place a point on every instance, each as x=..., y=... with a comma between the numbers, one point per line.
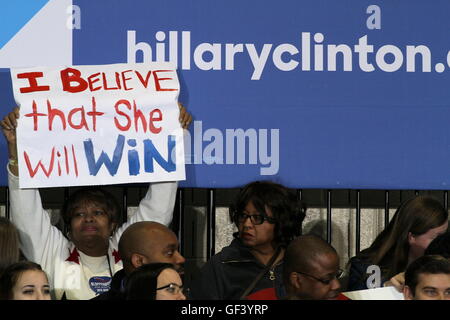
x=100, y=284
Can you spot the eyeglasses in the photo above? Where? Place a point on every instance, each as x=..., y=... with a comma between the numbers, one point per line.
x=254, y=218
x=172, y=288
x=338, y=275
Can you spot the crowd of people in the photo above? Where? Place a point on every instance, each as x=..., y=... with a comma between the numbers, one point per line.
x=99, y=257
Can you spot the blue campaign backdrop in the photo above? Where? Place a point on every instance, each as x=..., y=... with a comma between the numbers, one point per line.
x=310, y=93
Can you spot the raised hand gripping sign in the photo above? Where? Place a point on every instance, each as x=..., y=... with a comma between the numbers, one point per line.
x=102, y=124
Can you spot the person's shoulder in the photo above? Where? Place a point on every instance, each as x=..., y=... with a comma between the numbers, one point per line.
x=226, y=253
x=118, y=278
x=359, y=264
x=361, y=258
x=358, y=270
x=355, y=260
x=234, y=251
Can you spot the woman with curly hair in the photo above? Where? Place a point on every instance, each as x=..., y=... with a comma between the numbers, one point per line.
x=268, y=216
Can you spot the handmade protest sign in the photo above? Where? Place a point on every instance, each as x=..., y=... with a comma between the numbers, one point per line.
x=102, y=124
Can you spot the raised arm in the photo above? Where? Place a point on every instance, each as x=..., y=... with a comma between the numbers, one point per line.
x=158, y=203
x=39, y=239
x=9, y=124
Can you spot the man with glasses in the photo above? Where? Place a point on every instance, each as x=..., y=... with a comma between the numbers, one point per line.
x=311, y=270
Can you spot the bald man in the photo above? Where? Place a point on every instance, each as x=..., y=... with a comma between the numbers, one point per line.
x=311, y=270
x=142, y=243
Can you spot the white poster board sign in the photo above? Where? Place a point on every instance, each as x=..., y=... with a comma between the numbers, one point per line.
x=95, y=125
x=383, y=293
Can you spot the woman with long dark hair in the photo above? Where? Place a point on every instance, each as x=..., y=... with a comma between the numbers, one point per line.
x=9, y=244
x=414, y=225
x=154, y=281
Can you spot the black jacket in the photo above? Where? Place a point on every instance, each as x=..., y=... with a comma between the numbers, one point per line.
x=227, y=274
x=360, y=273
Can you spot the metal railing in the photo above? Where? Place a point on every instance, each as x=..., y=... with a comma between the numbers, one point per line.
x=211, y=204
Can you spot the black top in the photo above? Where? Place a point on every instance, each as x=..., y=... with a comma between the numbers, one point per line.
x=227, y=274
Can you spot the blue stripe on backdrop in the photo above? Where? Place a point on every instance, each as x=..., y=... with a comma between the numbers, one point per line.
x=15, y=14
x=310, y=118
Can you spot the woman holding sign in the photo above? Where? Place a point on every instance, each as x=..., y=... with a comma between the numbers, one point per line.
x=81, y=265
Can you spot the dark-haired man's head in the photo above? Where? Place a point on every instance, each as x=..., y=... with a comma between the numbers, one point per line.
x=428, y=278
